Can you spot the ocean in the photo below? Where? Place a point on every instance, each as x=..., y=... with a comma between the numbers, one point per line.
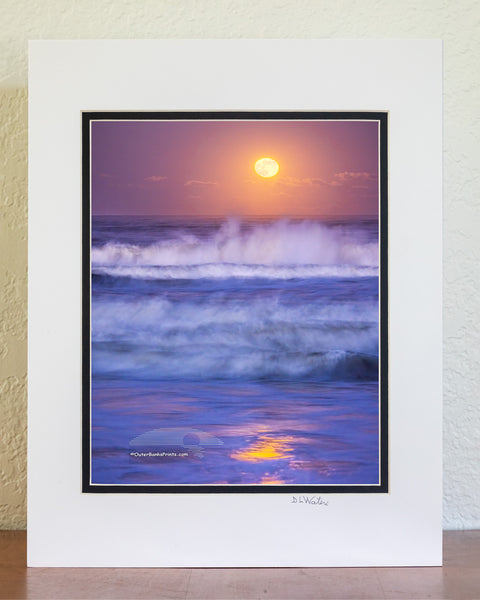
x=229, y=351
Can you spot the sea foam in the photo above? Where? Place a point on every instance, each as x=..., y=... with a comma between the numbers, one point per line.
x=234, y=339
x=281, y=243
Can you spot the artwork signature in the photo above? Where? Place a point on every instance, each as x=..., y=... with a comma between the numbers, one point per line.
x=317, y=500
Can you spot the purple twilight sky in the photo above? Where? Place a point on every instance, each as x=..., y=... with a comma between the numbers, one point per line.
x=207, y=167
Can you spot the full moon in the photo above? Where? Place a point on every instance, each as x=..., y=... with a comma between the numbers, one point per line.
x=266, y=167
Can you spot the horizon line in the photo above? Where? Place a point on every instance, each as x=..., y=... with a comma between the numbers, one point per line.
x=238, y=216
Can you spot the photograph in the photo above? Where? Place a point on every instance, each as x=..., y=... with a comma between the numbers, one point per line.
x=235, y=296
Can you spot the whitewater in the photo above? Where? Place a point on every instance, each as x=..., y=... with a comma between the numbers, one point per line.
x=283, y=243
x=249, y=329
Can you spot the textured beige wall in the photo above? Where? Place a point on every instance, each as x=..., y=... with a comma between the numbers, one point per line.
x=457, y=22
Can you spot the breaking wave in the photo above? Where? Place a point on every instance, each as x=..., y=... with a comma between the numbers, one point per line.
x=238, y=249
x=226, y=270
x=319, y=323
x=162, y=339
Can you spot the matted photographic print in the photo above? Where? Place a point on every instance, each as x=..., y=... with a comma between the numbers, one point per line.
x=235, y=288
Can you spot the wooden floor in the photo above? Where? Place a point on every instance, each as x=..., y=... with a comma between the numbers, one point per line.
x=459, y=578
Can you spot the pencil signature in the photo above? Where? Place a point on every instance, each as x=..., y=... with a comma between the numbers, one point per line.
x=318, y=500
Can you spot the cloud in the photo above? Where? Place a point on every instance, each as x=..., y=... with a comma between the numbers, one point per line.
x=350, y=179
x=198, y=183
x=355, y=180
x=300, y=181
x=353, y=176
x=156, y=178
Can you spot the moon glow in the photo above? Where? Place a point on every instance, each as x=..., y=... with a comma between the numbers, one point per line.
x=266, y=167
